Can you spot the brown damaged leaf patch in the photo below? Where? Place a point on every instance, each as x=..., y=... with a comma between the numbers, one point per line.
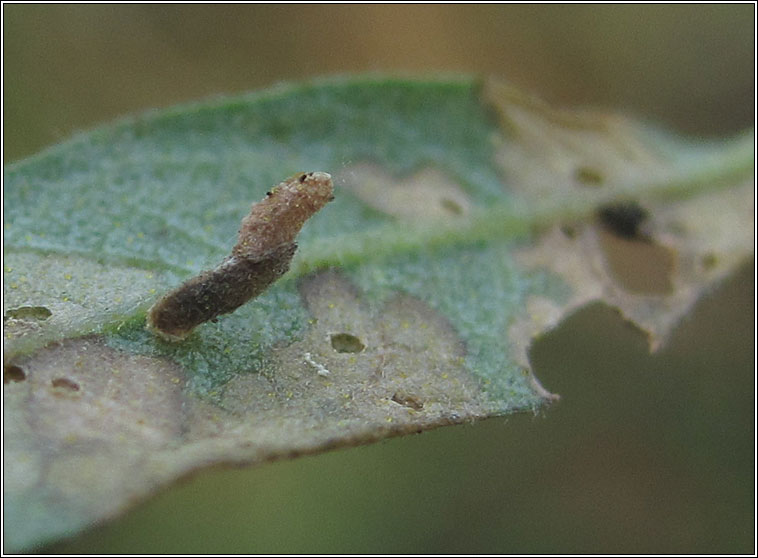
x=426, y=194
x=693, y=244
x=409, y=376
x=81, y=420
x=650, y=259
x=550, y=154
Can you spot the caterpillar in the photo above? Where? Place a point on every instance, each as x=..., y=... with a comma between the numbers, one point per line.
x=265, y=247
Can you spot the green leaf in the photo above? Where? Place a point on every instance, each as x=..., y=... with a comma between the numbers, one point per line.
x=463, y=226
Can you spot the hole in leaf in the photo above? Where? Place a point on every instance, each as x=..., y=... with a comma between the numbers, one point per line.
x=38, y=313
x=451, y=206
x=638, y=267
x=346, y=343
x=587, y=176
x=13, y=373
x=623, y=219
x=407, y=400
x=66, y=384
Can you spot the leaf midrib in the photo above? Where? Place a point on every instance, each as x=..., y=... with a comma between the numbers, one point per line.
x=498, y=222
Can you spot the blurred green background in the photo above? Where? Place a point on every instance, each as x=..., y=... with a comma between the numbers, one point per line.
x=642, y=454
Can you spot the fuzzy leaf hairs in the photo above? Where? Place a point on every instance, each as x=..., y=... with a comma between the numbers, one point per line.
x=265, y=247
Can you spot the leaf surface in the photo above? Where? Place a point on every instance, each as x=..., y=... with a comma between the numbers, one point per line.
x=464, y=225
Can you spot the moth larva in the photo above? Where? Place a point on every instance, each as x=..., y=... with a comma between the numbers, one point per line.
x=264, y=249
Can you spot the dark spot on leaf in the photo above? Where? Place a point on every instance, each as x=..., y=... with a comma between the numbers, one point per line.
x=13, y=373
x=346, y=343
x=451, y=206
x=588, y=176
x=36, y=313
x=569, y=231
x=623, y=219
x=407, y=400
x=709, y=260
x=66, y=384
